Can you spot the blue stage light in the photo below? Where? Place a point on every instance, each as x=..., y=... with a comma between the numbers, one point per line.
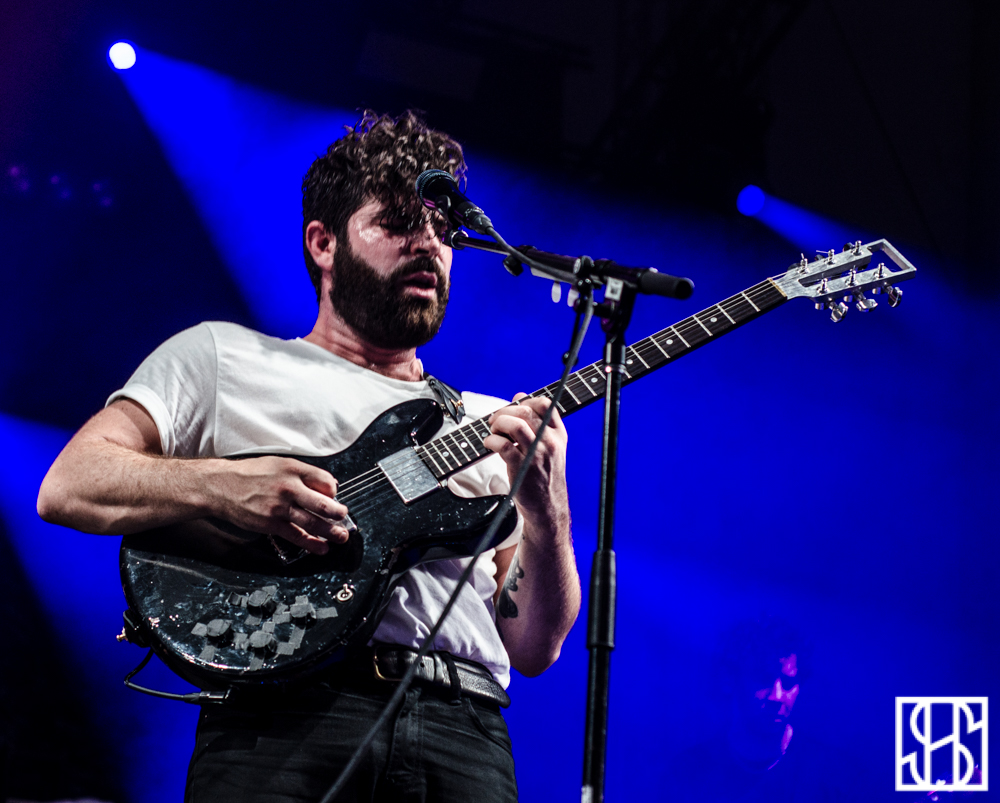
x=750, y=200
x=122, y=55
x=807, y=230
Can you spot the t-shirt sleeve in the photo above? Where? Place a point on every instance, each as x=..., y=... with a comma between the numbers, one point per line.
x=176, y=385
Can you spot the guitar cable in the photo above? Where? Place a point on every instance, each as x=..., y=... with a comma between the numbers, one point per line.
x=195, y=698
x=570, y=360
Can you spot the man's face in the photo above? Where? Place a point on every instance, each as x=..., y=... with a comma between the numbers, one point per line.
x=390, y=285
x=774, y=702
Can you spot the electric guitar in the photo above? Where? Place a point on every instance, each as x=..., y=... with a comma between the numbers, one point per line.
x=226, y=607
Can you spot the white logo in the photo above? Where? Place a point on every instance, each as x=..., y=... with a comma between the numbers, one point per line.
x=943, y=746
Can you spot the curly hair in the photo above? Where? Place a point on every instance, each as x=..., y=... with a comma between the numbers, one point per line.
x=379, y=159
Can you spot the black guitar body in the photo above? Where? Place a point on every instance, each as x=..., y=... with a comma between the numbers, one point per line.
x=220, y=607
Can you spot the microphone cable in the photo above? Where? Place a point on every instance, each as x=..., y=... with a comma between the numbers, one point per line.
x=583, y=319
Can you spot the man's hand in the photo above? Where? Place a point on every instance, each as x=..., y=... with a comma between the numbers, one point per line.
x=543, y=493
x=279, y=496
x=538, y=590
x=112, y=479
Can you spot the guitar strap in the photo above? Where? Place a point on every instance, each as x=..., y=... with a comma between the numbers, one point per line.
x=450, y=398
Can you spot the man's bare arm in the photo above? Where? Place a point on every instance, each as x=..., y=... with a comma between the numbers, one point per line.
x=112, y=478
x=538, y=588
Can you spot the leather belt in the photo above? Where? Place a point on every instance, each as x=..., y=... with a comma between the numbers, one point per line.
x=390, y=663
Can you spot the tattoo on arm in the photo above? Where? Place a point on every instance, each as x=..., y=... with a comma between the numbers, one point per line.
x=506, y=607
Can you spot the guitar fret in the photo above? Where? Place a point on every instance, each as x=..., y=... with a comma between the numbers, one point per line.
x=695, y=330
x=637, y=355
x=741, y=308
x=463, y=446
x=435, y=467
x=590, y=386
x=657, y=344
x=650, y=354
x=445, y=454
x=713, y=324
x=680, y=336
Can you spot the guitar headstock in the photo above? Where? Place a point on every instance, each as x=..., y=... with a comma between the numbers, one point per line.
x=834, y=279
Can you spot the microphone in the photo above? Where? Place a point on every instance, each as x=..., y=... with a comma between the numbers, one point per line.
x=439, y=190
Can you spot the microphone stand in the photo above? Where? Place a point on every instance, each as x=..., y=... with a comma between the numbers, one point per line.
x=622, y=285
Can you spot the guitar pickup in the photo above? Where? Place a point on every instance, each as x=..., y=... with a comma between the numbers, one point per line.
x=409, y=475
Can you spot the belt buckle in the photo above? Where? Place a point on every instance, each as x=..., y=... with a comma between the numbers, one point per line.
x=378, y=672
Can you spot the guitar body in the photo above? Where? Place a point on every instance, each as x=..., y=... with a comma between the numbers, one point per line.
x=220, y=607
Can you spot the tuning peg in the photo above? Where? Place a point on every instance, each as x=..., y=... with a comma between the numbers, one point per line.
x=861, y=302
x=837, y=310
x=894, y=293
x=556, y=292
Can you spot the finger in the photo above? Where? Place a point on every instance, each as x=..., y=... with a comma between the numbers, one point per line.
x=539, y=405
x=296, y=535
x=319, y=480
x=526, y=414
x=320, y=505
x=516, y=428
x=509, y=451
x=318, y=526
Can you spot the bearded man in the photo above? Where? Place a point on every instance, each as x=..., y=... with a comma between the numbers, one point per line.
x=152, y=458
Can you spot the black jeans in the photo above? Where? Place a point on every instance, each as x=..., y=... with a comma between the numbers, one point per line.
x=437, y=747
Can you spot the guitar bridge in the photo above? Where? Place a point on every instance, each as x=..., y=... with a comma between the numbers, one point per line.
x=409, y=475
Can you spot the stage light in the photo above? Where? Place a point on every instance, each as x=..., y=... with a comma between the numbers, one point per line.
x=807, y=230
x=750, y=200
x=122, y=55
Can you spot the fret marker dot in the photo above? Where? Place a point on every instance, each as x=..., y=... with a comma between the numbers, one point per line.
x=594, y=379
x=713, y=320
x=446, y=454
x=463, y=444
x=670, y=342
x=628, y=362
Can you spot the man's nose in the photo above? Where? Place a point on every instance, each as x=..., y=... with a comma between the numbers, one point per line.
x=424, y=241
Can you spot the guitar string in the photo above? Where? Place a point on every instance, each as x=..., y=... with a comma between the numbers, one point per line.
x=376, y=476
x=360, y=488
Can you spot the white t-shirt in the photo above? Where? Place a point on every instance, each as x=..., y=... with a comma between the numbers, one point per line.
x=219, y=389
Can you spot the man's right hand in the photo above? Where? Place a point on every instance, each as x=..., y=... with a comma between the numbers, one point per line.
x=279, y=496
x=112, y=479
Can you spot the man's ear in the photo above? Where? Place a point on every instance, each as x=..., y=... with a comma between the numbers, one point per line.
x=320, y=244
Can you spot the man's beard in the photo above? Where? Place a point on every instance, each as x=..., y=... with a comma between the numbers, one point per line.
x=379, y=308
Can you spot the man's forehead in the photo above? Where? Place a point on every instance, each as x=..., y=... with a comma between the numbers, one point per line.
x=789, y=665
x=399, y=214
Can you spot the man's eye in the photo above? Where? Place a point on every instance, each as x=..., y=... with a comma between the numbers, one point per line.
x=395, y=225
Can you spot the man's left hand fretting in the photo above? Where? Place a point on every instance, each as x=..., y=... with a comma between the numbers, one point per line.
x=543, y=492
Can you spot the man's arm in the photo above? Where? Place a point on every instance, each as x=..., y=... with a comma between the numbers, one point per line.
x=538, y=588
x=112, y=478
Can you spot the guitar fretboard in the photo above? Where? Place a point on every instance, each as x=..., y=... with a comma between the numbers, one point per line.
x=462, y=447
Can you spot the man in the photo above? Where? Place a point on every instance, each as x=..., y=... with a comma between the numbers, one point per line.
x=759, y=755
x=382, y=276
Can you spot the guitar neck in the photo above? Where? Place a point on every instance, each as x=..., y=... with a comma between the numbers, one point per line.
x=464, y=446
